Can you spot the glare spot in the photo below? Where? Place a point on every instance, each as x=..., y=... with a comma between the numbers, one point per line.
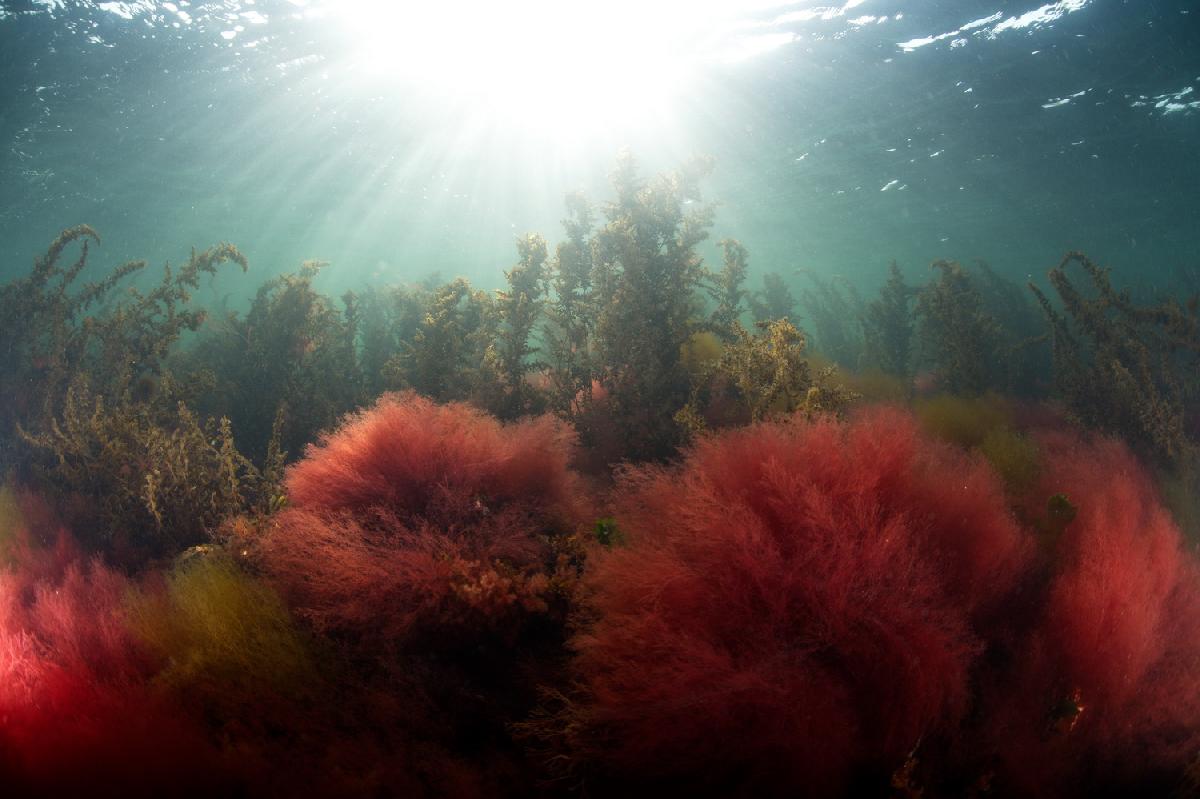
x=127, y=10
x=1055, y=102
x=585, y=63
x=995, y=24
x=1040, y=16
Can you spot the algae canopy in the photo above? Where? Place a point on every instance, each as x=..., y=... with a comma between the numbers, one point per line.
x=566, y=398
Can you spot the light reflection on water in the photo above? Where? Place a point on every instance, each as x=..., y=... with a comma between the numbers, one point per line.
x=845, y=134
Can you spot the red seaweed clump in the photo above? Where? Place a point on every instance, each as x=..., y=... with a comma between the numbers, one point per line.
x=797, y=608
x=435, y=546
x=1105, y=696
x=78, y=715
x=416, y=518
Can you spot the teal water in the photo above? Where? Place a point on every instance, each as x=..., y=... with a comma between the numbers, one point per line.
x=396, y=140
x=930, y=537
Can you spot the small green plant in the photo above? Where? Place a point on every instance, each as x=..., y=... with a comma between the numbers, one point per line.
x=608, y=533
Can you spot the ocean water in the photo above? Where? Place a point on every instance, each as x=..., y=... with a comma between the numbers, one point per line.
x=585, y=531
x=397, y=140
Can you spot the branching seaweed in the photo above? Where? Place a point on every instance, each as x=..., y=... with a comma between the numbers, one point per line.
x=645, y=277
x=973, y=328
x=49, y=340
x=448, y=351
x=726, y=289
x=146, y=486
x=569, y=318
x=771, y=376
x=959, y=337
x=888, y=327
x=518, y=309
x=834, y=310
x=294, y=350
x=390, y=317
x=1122, y=367
x=774, y=301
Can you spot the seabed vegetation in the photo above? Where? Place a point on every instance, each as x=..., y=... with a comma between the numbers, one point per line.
x=624, y=526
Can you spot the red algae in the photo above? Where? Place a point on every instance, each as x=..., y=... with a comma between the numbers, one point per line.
x=436, y=513
x=796, y=601
x=1106, y=691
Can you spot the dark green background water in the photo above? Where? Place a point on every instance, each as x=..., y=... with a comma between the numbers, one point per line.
x=164, y=137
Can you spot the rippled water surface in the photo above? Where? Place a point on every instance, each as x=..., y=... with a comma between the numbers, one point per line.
x=399, y=139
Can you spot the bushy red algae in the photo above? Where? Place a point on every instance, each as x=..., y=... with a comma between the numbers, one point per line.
x=413, y=516
x=796, y=601
x=436, y=546
x=78, y=712
x=1105, y=694
x=802, y=607
x=437, y=463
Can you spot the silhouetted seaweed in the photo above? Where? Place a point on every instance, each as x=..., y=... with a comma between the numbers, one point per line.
x=774, y=301
x=448, y=350
x=518, y=309
x=975, y=331
x=293, y=351
x=389, y=319
x=887, y=325
x=1025, y=354
x=726, y=289
x=1121, y=367
x=49, y=340
x=834, y=312
x=569, y=318
x=645, y=277
x=959, y=338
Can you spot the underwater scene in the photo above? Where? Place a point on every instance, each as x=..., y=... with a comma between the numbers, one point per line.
x=551, y=398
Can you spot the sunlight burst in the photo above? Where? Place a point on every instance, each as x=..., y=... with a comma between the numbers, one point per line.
x=570, y=70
